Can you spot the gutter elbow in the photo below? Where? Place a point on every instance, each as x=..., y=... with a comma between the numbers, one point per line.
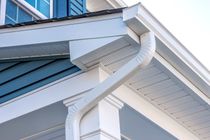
x=147, y=50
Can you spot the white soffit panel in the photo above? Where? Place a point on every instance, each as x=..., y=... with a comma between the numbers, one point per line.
x=168, y=94
x=139, y=19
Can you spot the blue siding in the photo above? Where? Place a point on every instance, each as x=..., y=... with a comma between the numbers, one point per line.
x=75, y=7
x=61, y=8
x=18, y=78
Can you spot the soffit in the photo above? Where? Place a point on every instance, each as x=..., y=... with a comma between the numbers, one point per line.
x=160, y=87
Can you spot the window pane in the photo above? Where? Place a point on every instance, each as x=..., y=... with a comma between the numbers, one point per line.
x=23, y=16
x=9, y=20
x=15, y=14
x=11, y=10
x=31, y=2
x=44, y=7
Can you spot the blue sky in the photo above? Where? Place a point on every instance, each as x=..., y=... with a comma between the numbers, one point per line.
x=188, y=20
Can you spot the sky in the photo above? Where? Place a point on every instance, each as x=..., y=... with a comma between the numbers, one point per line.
x=187, y=20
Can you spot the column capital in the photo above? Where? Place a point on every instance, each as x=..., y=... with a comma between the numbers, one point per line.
x=114, y=101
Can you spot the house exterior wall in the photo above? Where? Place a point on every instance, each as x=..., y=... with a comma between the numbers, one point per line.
x=18, y=78
x=135, y=126
x=18, y=11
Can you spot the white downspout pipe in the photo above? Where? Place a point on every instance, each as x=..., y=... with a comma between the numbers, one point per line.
x=78, y=110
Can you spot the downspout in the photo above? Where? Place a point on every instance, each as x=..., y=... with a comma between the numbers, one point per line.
x=78, y=110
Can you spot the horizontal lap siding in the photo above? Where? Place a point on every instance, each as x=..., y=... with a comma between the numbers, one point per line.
x=19, y=78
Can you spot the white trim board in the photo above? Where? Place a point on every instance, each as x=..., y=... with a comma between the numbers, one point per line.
x=78, y=29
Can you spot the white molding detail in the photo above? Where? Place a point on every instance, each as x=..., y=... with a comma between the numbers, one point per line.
x=72, y=100
x=98, y=133
x=30, y=9
x=114, y=101
x=2, y=11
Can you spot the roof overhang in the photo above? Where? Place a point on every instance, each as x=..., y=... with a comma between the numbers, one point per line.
x=139, y=19
x=117, y=37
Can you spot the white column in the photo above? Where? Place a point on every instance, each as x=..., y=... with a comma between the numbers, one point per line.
x=101, y=122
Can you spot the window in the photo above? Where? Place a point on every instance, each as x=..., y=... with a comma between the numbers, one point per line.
x=14, y=14
x=27, y=10
x=42, y=6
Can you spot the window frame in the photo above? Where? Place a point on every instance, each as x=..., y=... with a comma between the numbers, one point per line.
x=2, y=12
x=33, y=11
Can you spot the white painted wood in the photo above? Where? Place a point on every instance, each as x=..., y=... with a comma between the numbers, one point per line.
x=164, y=92
x=142, y=59
x=2, y=11
x=170, y=97
x=84, y=51
x=101, y=122
x=104, y=118
x=63, y=31
x=49, y=94
x=177, y=75
x=150, y=81
x=144, y=107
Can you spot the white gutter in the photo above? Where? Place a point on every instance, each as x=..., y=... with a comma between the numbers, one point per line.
x=77, y=111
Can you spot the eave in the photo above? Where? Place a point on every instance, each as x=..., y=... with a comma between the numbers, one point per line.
x=170, y=48
x=118, y=32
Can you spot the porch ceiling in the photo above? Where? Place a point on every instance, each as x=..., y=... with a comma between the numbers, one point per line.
x=160, y=87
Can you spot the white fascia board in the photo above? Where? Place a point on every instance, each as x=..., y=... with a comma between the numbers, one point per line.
x=78, y=29
x=143, y=106
x=59, y=90
x=140, y=20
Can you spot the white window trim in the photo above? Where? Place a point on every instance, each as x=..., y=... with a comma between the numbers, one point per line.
x=2, y=11
x=31, y=10
x=51, y=8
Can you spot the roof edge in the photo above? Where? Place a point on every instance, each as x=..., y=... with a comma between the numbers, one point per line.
x=140, y=15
